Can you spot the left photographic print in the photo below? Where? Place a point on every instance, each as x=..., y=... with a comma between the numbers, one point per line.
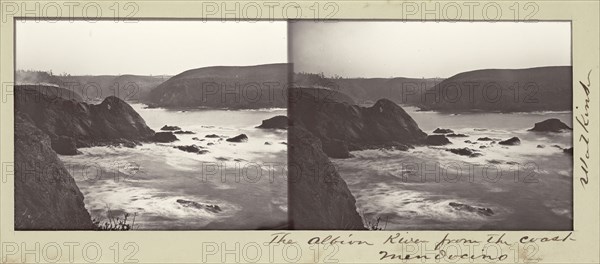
x=150, y=125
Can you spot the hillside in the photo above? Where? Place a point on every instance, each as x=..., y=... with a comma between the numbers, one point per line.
x=320, y=94
x=515, y=90
x=368, y=90
x=126, y=87
x=234, y=87
x=95, y=88
x=52, y=91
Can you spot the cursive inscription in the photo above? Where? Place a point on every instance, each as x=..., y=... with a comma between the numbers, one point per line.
x=583, y=119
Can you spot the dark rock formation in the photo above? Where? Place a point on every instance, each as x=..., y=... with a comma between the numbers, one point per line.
x=437, y=140
x=212, y=136
x=383, y=124
x=213, y=208
x=442, y=131
x=336, y=149
x=484, y=211
x=568, y=150
x=277, y=122
x=319, y=199
x=465, y=152
x=65, y=146
x=456, y=135
x=112, y=122
x=511, y=141
x=192, y=149
x=541, y=146
x=485, y=139
x=170, y=128
x=164, y=137
x=45, y=124
x=321, y=126
x=550, y=125
x=46, y=196
x=238, y=139
x=184, y=132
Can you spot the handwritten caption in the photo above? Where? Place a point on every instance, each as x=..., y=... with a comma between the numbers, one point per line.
x=389, y=247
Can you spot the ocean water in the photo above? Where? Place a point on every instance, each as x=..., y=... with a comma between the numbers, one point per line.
x=248, y=181
x=526, y=187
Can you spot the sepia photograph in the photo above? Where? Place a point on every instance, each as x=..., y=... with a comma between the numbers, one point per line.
x=150, y=125
x=394, y=126
x=431, y=125
x=299, y=131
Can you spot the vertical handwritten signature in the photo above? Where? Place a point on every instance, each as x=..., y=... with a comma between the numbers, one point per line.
x=584, y=121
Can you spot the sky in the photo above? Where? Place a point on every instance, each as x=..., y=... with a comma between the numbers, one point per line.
x=146, y=47
x=426, y=49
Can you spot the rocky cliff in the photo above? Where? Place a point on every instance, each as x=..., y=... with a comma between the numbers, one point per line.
x=318, y=197
x=331, y=126
x=46, y=196
x=340, y=125
x=71, y=124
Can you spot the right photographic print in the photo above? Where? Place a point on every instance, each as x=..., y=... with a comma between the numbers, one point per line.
x=431, y=125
